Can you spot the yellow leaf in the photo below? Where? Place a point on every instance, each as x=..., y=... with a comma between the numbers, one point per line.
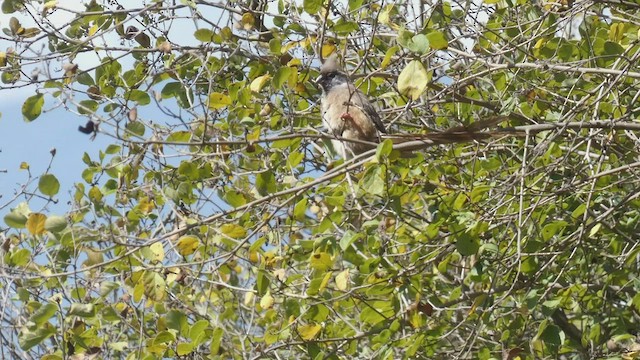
x=146, y=205
x=321, y=261
x=309, y=331
x=267, y=301
x=95, y=194
x=328, y=49
x=93, y=30
x=50, y=4
x=233, y=230
x=342, y=280
x=325, y=281
x=248, y=298
x=218, y=100
x=24, y=166
x=258, y=83
x=158, y=251
x=413, y=80
x=35, y=223
x=248, y=21
x=187, y=245
x=387, y=56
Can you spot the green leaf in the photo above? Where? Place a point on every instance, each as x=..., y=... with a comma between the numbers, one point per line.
x=413, y=80
x=384, y=149
x=348, y=238
x=86, y=107
x=15, y=220
x=135, y=128
x=29, y=339
x=43, y=314
x=179, y=136
x=372, y=180
x=437, y=40
x=612, y=48
x=282, y=76
x=312, y=6
x=467, y=244
x=32, y=107
x=418, y=44
x=184, y=349
x=197, y=331
x=266, y=183
x=55, y=223
x=48, y=185
x=204, y=35
x=234, y=198
x=139, y=96
x=82, y=310
x=300, y=209
x=551, y=229
x=216, y=339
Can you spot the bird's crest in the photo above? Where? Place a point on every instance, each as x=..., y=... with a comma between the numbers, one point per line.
x=331, y=64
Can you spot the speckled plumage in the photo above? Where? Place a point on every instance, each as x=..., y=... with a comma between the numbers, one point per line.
x=346, y=111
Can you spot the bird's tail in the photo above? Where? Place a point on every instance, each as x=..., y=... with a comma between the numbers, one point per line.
x=476, y=131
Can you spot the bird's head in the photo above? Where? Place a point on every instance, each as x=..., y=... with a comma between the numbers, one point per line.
x=331, y=74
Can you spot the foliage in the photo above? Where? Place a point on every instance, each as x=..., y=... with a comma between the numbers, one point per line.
x=216, y=225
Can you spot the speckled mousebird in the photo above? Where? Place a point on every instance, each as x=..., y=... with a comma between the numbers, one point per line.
x=346, y=111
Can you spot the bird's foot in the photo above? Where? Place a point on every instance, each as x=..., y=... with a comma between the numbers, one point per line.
x=346, y=116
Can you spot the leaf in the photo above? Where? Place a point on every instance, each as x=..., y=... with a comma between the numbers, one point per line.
x=184, y=348
x=154, y=286
x=48, y=185
x=342, y=280
x=467, y=244
x=309, y=331
x=43, y=314
x=312, y=6
x=320, y=261
x=55, y=223
x=372, y=181
x=384, y=149
x=28, y=339
x=15, y=220
x=218, y=100
x=413, y=80
x=179, y=136
x=266, y=183
x=437, y=40
x=418, y=44
x=197, y=331
x=187, y=245
x=204, y=35
x=233, y=230
x=32, y=107
x=267, y=301
x=300, y=209
x=282, y=75
x=157, y=252
x=258, y=83
x=348, y=238
x=35, y=223
x=30, y=32
x=551, y=229
x=82, y=310
x=139, y=96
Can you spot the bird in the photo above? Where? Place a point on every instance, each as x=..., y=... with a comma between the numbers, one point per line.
x=346, y=112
